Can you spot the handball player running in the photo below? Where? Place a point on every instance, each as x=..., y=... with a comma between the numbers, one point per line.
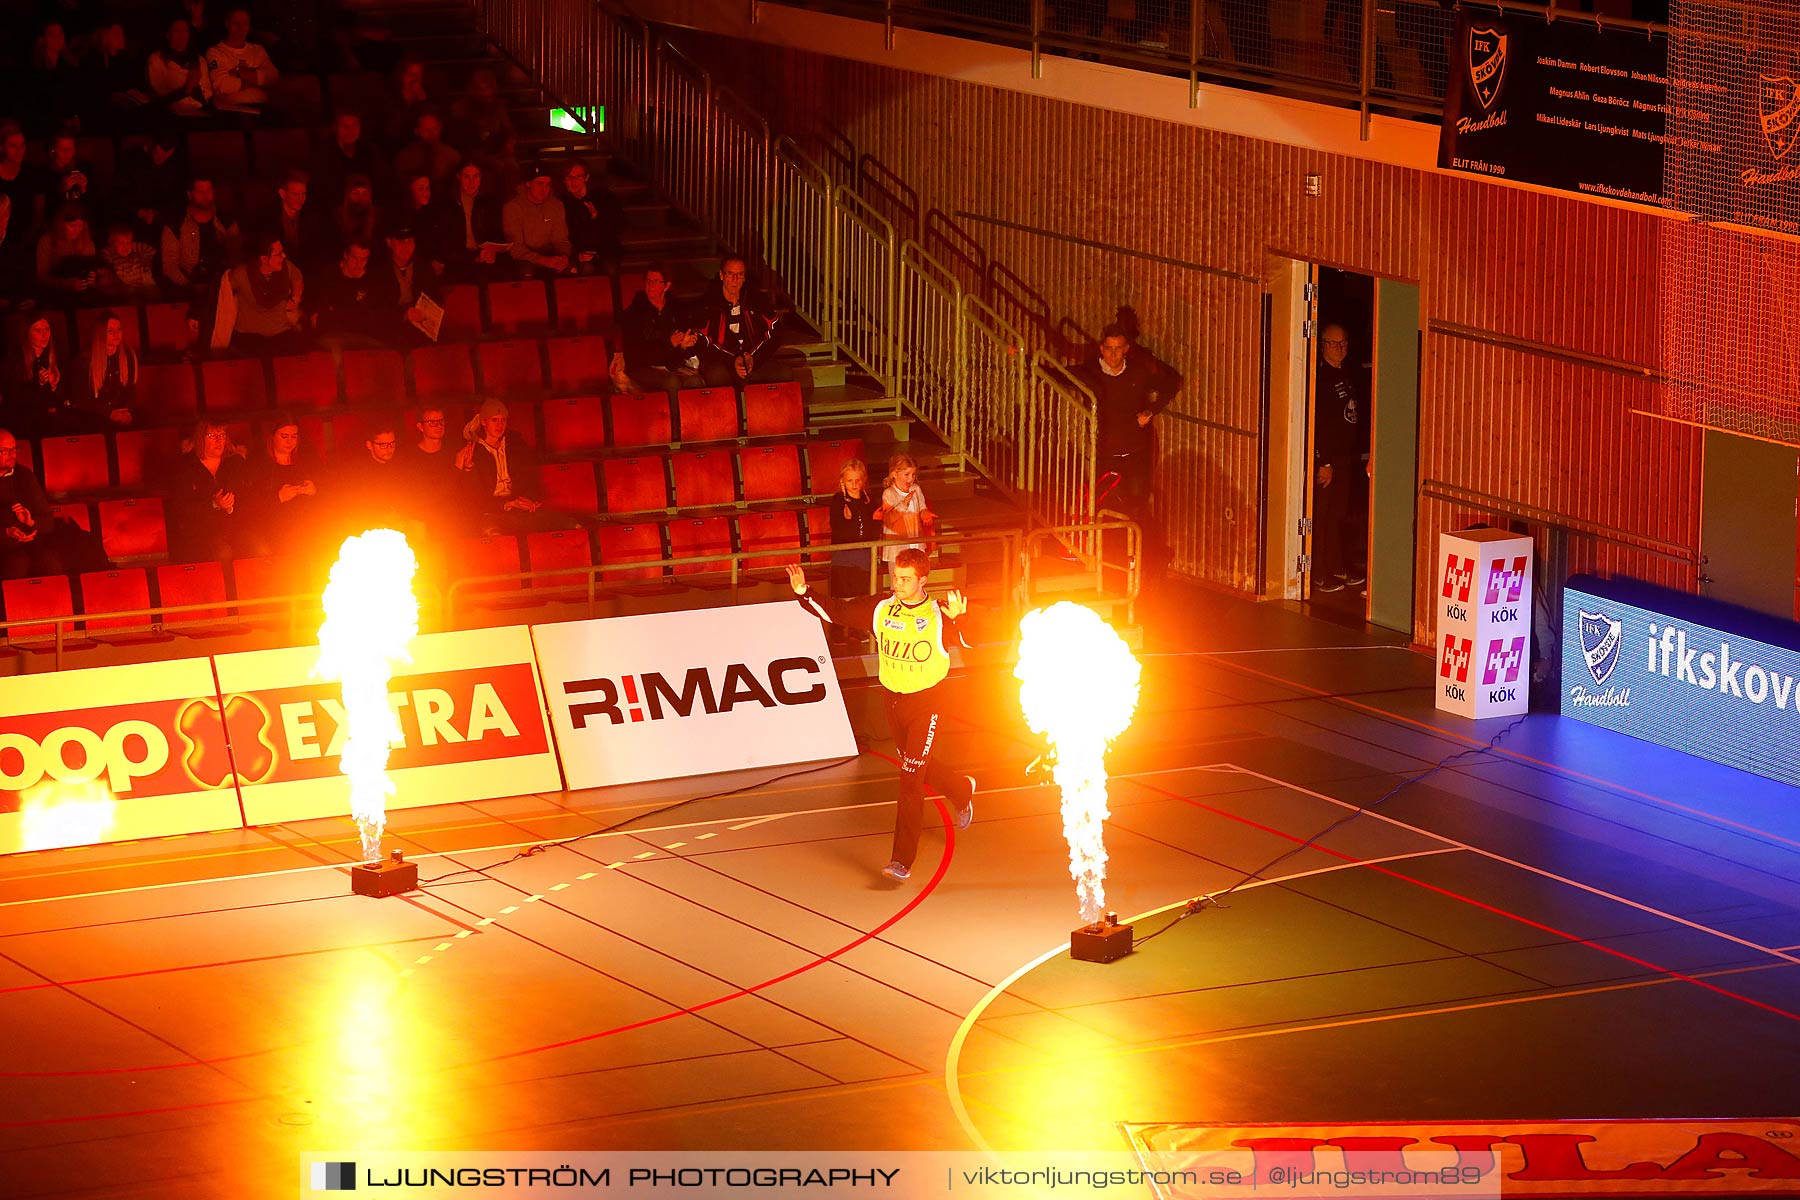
x=910, y=630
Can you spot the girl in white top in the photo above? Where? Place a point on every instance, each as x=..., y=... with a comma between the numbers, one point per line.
x=903, y=511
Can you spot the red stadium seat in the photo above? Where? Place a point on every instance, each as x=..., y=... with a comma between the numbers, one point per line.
x=480, y=556
x=554, y=549
x=825, y=457
x=700, y=535
x=179, y=584
x=374, y=377
x=89, y=327
x=522, y=419
x=133, y=528
x=708, y=414
x=304, y=381
x=630, y=544
x=635, y=485
x=74, y=464
x=771, y=472
x=702, y=478
x=462, y=312
x=113, y=592
x=166, y=391
x=641, y=420
x=578, y=365
x=166, y=328
x=219, y=154
x=75, y=511
x=41, y=596
x=519, y=307
x=234, y=385
x=277, y=151
x=574, y=425
x=442, y=373
x=818, y=532
x=143, y=454
x=584, y=303
x=509, y=369
x=774, y=531
x=774, y=410
x=569, y=487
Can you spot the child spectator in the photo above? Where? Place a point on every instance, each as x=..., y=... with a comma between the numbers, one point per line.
x=112, y=374
x=853, y=519
x=903, y=512
x=127, y=268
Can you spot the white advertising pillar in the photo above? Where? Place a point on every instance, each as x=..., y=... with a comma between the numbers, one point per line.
x=1484, y=623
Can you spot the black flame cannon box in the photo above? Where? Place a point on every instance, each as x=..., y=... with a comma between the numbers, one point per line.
x=388, y=877
x=1101, y=942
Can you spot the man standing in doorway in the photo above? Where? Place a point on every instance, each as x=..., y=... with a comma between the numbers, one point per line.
x=910, y=630
x=1341, y=420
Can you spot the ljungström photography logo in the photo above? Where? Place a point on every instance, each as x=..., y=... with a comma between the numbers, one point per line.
x=334, y=1177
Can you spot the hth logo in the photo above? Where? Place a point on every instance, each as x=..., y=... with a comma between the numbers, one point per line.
x=1459, y=574
x=1501, y=579
x=650, y=695
x=1504, y=659
x=1457, y=652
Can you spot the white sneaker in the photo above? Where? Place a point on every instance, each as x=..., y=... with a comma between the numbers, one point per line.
x=897, y=871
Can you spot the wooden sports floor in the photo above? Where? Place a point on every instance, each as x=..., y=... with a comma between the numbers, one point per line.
x=1570, y=924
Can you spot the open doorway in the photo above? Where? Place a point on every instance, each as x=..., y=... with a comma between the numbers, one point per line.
x=1343, y=442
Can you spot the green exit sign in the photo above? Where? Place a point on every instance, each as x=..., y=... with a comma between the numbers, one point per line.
x=579, y=120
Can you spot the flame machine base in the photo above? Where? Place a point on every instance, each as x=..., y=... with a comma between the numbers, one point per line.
x=1101, y=942
x=389, y=877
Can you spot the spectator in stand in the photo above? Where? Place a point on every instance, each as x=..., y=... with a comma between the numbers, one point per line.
x=19, y=179
x=472, y=230
x=502, y=472
x=407, y=103
x=36, y=403
x=736, y=323
x=127, y=267
x=346, y=310
x=51, y=78
x=595, y=219
x=18, y=259
x=437, y=241
x=346, y=154
x=114, y=73
x=197, y=249
x=281, y=492
x=66, y=261
x=432, y=466
x=306, y=232
x=1130, y=388
x=427, y=153
x=853, y=520
x=375, y=488
x=535, y=224
x=904, y=512
x=177, y=74
x=482, y=127
x=259, y=303
x=112, y=374
x=152, y=183
x=240, y=70
x=208, y=520
x=398, y=283
x=357, y=216
x=66, y=178
x=661, y=350
x=27, y=545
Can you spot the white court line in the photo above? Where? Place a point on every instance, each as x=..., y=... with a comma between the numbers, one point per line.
x=1515, y=863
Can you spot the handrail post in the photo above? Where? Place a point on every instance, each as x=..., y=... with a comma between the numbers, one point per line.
x=1367, y=73
x=1196, y=49
x=1037, y=31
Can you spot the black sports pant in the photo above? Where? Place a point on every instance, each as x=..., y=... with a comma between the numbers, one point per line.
x=913, y=717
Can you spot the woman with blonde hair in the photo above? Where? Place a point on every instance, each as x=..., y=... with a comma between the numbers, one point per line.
x=112, y=373
x=853, y=520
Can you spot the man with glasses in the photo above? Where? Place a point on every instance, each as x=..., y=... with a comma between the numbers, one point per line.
x=660, y=347
x=27, y=541
x=376, y=487
x=1340, y=466
x=737, y=325
x=595, y=219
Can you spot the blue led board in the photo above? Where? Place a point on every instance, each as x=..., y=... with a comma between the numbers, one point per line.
x=1706, y=679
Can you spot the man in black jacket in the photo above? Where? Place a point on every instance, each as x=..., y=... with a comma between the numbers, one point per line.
x=1130, y=388
x=737, y=326
x=1341, y=418
x=660, y=344
x=27, y=533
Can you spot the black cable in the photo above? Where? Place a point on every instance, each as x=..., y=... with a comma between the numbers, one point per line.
x=540, y=847
x=1213, y=899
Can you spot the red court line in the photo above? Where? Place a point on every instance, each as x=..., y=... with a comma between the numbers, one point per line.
x=1452, y=734
x=1513, y=916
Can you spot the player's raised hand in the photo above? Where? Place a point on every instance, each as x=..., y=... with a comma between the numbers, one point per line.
x=955, y=605
x=796, y=579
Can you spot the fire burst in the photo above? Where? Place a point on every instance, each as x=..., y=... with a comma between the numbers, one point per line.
x=1078, y=686
x=370, y=618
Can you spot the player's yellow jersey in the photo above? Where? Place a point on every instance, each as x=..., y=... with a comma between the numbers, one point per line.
x=910, y=640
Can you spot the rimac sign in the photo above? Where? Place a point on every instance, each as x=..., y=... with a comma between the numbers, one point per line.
x=1696, y=677
x=691, y=692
